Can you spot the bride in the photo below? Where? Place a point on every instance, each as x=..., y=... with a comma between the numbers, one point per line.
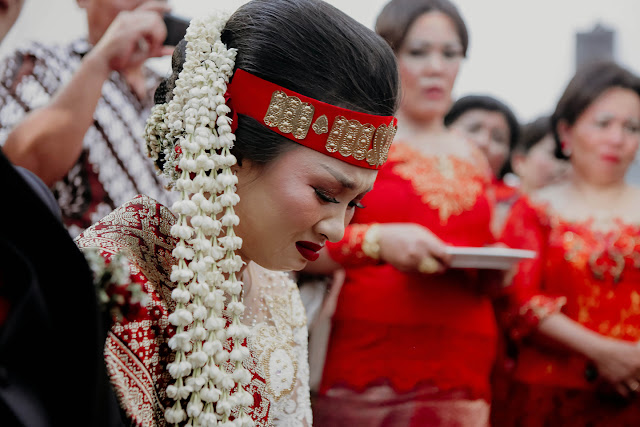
x=272, y=128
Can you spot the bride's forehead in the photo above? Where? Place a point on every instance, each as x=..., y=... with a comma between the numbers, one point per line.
x=305, y=161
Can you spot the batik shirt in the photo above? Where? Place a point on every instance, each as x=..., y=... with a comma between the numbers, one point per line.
x=113, y=166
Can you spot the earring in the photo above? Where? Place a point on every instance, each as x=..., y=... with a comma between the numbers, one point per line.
x=565, y=149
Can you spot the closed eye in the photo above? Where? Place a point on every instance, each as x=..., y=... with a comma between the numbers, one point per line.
x=328, y=199
x=325, y=197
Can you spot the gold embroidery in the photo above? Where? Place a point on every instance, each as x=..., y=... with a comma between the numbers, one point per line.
x=445, y=182
x=598, y=262
x=278, y=340
x=381, y=145
x=321, y=125
x=348, y=137
x=289, y=114
x=335, y=136
x=602, y=252
x=355, y=240
x=136, y=353
x=352, y=138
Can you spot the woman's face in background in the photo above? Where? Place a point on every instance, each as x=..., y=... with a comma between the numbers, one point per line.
x=604, y=139
x=540, y=167
x=429, y=60
x=489, y=131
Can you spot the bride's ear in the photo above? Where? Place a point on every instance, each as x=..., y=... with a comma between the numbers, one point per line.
x=247, y=171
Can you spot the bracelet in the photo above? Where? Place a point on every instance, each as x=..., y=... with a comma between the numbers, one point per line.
x=371, y=242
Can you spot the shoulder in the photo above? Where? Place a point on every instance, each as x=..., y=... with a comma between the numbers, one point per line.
x=141, y=227
x=140, y=211
x=629, y=211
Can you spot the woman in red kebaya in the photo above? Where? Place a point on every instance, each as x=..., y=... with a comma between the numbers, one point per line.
x=576, y=307
x=412, y=342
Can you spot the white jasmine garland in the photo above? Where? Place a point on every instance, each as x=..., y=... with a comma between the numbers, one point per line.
x=192, y=133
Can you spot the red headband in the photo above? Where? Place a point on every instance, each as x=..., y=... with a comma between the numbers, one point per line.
x=357, y=138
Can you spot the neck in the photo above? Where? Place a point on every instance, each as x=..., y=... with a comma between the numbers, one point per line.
x=245, y=276
x=599, y=194
x=411, y=128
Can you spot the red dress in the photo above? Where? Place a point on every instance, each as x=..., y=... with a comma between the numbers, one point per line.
x=409, y=330
x=591, y=276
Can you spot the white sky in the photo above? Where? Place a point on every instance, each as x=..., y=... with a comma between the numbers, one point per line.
x=521, y=51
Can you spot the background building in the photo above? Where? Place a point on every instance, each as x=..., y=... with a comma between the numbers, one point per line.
x=595, y=45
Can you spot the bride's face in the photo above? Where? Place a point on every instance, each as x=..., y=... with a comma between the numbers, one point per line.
x=291, y=206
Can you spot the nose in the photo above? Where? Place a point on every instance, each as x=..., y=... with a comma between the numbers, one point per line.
x=332, y=227
x=616, y=135
x=435, y=62
x=482, y=139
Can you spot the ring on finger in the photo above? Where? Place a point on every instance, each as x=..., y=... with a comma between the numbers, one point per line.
x=633, y=385
x=428, y=265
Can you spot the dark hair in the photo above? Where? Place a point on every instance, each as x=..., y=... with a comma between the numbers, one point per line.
x=532, y=133
x=487, y=103
x=309, y=47
x=396, y=18
x=585, y=87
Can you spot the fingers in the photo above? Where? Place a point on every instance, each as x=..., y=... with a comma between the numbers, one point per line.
x=633, y=385
x=150, y=26
x=435, y=247
x=132, y=38
x=429, y=265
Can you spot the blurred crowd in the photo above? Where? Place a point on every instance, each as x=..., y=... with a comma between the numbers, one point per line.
x=398, y=335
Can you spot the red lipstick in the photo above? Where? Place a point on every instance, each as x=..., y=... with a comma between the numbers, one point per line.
x=610, y=158
x=433, y=93
x=309, y=250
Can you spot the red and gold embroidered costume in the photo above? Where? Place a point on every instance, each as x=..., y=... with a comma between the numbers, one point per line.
x=591, y=273
x=422, y=335
x=137, y=351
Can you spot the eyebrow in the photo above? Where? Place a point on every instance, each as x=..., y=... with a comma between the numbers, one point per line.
x=342, y=179
x=428, y=43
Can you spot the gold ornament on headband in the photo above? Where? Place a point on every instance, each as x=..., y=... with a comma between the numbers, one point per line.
x=321, y=125
x=354, y=137
x=289, y=114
